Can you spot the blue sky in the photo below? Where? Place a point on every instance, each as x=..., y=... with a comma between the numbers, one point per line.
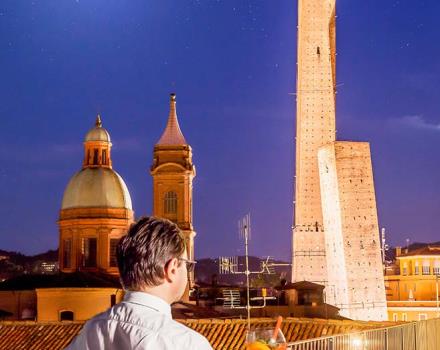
x=232, y=65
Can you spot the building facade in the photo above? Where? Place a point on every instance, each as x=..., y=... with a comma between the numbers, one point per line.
x=335, y=233
x=413, y=284
x=173, y=172
x=96, y=210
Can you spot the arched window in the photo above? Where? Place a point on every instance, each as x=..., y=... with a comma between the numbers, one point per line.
x=170, y=205
x=104, y=156
x=95, y=156
x=89, y=252
x=66, y=316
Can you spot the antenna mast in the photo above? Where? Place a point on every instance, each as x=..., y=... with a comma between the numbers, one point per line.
x=229, y=265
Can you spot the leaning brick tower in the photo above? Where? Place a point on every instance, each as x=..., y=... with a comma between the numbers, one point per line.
x=336, y=232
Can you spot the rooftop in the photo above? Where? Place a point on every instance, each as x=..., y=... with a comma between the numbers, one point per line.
x=302, y=285
x=61, y=280
x=223, y=334
x=426, y=250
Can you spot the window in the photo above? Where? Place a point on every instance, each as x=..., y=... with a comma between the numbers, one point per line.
x=170, y=206
x=113, y=245
x=404, y=270
x=95, y=157
x=425, y=269
x=395, y=318
x=436, y=268
x=89, y=252
x=404, y=317
x=423, y=317
x=416, y=268
x=104, y=156
x=67, y=253
x=66, y=316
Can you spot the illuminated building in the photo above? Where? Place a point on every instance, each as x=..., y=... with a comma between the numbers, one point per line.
x=96, y=209
x=335, y=233
x=412, y=286
x=96, y=212
x=173, y=172
x=315, y=127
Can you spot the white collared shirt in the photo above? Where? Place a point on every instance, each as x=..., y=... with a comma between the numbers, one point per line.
x=141, y=321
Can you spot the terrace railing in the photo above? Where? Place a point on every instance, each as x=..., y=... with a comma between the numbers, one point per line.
x=421, y=335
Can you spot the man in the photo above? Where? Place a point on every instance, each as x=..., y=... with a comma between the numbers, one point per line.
x=153, y=267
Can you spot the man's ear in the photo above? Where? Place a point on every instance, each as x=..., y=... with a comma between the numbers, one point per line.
x=170, y=270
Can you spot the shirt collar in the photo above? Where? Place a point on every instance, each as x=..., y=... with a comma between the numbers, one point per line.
x=148, y=300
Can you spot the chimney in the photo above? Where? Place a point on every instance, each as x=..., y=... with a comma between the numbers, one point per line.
x=398, y=251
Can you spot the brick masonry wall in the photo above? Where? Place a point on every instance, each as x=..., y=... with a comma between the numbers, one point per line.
x=315, y=121
x=352, y=231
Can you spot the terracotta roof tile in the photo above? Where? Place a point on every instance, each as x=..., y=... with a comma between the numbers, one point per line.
x=31, y=335
x=223, y=334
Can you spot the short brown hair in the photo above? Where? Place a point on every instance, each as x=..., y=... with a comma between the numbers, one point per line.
x=142, y=254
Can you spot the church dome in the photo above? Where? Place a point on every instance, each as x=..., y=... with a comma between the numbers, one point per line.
x=96, y=187
x=98, y=133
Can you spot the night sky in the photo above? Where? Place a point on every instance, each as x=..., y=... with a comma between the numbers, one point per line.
x=232, y=65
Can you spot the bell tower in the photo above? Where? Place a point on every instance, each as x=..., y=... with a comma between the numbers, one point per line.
x=173, y=172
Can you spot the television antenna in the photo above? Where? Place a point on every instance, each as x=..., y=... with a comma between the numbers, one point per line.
x=230, y=265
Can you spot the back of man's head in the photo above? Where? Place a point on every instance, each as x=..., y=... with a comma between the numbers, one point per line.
x=142, y=254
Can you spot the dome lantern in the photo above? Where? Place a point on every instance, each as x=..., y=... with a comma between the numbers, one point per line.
x=97, y=147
